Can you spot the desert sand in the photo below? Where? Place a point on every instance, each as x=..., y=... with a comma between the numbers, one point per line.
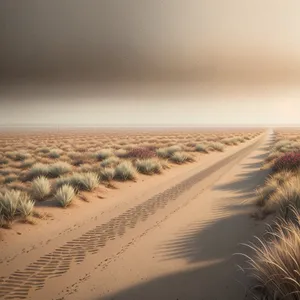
x=170, y=237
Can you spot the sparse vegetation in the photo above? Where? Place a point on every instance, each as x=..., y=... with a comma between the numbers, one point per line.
x=276, y=261
x=201, y=148
x=125, y=171
x=40, y=188
x=148, y=166
x=14, y=204
x=110, y=162
x=107, y=174
x=43, y=164
x=215, y=146
x=104, y=154
x=65, y=195
x=181, y=157
x=141, y=153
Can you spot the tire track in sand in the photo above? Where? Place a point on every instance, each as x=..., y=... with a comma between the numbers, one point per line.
x=55, y=264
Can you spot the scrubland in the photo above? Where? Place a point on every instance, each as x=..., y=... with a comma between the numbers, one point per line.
x=275, y=262
x=58, y=167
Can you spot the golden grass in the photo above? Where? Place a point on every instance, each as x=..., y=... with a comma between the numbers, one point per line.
x=84, y=158
x=275, y=263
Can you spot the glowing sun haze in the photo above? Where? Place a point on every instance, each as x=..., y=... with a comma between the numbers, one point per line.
x=186, y=62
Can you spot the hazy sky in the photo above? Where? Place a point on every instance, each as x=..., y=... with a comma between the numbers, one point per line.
x=224, y=40
x=73, y=34
x=173, y=105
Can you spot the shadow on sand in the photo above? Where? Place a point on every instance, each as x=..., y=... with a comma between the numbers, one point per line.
x=209, y=249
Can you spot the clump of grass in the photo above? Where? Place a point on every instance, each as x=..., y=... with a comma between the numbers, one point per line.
x=180, y=158
x=264, y=193
x=168, y=152
x=25, y=206
x=164, y=164
x=54, y=153
x=85, y=168
x=10, y=178
x=201, y=148
x=85, y=181
x=121, y=153
x=216, y=146
x=110, y=162
x=36, y=170
x=79, y=181
x=107, y=174
x=230, y=141
x=14, y=204
x=27, y=163
x=286, y=195
x=44, y=150
x=275, y=263
x=162, y=153
x=18, y=156
x=65, y=195
x=281, y=144
x=50, y=171
x=40, y=188
x=148, y=166
x=125, y=171
x=3, y=161
x=273, y=156
x=104, y=154
x=58, y=169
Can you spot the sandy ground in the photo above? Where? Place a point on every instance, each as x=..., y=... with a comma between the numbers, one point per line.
x=169, y=237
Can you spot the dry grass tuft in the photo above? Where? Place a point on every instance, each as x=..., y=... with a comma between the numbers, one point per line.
x=65, y=195
x=14, y=204
x=181, y=157
x=125, y=171
x=148, y=166
x=40, y=188
x=276, y=261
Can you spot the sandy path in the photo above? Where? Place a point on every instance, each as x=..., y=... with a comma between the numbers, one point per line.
x=175, y=244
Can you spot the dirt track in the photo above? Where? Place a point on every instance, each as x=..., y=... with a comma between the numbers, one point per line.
x=173, y=242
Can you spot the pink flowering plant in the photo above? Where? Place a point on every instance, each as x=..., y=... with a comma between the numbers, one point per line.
x=289, y=161
x=141, y=153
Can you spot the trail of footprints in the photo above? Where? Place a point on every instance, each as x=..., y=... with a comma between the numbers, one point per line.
x=55, y=264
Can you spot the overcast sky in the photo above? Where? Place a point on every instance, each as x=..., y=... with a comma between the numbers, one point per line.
x=258, y=40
